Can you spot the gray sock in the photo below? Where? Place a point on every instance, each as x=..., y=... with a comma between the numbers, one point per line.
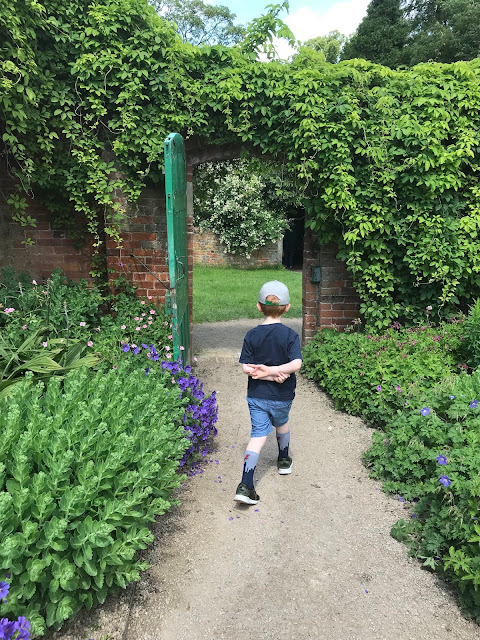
x=249, y=464
x=283, y=441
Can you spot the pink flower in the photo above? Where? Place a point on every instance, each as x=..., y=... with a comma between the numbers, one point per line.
x=89, y=343
x=34, y=282
x=195, y=359
x=45, y=345
x=170, y=337
x=137, y=328
x=150, y=297
x=97, y=329
x=173, y=380
x=167, y=348
x=137, y=318
x=182, y=348
x=149, y=322
x=83, y=324
x=114, y=366
x=165, y=323
x=144, y=326
x=123, y=327
x=24, y=327
x=142, y=302
x=9, y=310
x=152, y=312
x=143, y=315
x=169, y=355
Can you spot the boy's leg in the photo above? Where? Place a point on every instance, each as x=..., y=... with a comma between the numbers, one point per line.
x=251, y=458
x=261, y=427
x=283, y=440
x=284, y=461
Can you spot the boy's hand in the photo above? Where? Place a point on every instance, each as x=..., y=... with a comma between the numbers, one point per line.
x=281, y=377
x=260, y=371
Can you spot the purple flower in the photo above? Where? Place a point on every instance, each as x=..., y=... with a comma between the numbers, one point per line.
x=4, y=589
x=441, y=459
x=147, y=371
x=136, y=350
x=125, y=348
x=452, y=397
x=398, y=388
x=379, y=388
x=145, y=346
x=474, y=404
x=425, y=411
x=445, y=480
x=7, y=629
x=23, y=628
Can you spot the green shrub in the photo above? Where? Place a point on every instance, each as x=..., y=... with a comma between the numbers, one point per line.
x=471, y=346
x=373, y=376
x=84, y=471
x=430, y=453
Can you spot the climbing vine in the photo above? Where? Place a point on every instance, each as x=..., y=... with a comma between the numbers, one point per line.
x=389, y=159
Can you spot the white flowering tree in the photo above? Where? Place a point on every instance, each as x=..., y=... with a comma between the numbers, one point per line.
x=245, y=207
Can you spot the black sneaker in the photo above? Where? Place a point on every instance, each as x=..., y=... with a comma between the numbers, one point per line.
x=284, y=466
x=246, y=495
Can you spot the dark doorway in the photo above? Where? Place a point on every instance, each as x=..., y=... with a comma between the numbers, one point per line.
x=293, y=241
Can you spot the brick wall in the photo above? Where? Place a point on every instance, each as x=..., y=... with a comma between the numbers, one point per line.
x=142, y=258
x=207, y=249
x=332, y=302
x=52, y=248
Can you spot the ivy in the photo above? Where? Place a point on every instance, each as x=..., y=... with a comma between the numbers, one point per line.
x=389, y=159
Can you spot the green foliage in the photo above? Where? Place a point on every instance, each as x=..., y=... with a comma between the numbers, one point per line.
x=381, y=35
x=85, y=470
x=433, y=440
x=199, y=23
x=374, y=376
x=231, y=202
x=442, y=30
x=42, y=356
x=471, y=344
x=388, y=159
x=330, y=45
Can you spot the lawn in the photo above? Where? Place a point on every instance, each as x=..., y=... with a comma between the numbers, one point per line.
x=227, y=293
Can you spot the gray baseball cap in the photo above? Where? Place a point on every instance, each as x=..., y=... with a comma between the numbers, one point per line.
x=274, y=288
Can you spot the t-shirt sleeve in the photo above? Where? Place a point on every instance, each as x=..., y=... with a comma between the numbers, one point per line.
x=294, y=351
x=246, y=356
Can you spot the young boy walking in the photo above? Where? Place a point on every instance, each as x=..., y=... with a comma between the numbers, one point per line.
x=270, y=356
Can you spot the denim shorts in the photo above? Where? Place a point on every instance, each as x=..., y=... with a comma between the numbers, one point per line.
x=266, y=414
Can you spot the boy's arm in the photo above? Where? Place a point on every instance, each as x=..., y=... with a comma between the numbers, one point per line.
x=261, y=371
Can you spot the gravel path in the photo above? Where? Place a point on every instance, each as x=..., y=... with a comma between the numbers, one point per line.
x=313, y=560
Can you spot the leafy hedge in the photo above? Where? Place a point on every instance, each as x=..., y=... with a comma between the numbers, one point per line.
x=389, y=159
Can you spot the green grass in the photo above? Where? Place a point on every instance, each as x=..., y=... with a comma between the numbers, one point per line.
x=226, y=293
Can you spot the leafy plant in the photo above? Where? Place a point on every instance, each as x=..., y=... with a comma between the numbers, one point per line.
x=375, y=375
x=430, y=454
x=42, y=356
x=471, y=345
x=86, y=467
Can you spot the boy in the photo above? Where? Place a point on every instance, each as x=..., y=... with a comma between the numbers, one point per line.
x=270, y=356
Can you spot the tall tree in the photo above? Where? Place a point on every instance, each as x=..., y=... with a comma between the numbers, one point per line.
x=381, y=35
x=200, y=23
x=330, y=45
x=442, y=30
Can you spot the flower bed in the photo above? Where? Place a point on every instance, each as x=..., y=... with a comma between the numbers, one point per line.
x=414, y=384
x=88, y=457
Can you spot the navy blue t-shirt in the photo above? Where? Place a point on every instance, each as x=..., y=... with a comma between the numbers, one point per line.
x=272, y=345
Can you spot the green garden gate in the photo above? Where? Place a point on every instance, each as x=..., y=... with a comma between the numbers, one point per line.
x=176, y=196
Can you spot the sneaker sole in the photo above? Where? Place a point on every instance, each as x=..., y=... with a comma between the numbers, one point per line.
x=245, y=500
x=285, y=472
